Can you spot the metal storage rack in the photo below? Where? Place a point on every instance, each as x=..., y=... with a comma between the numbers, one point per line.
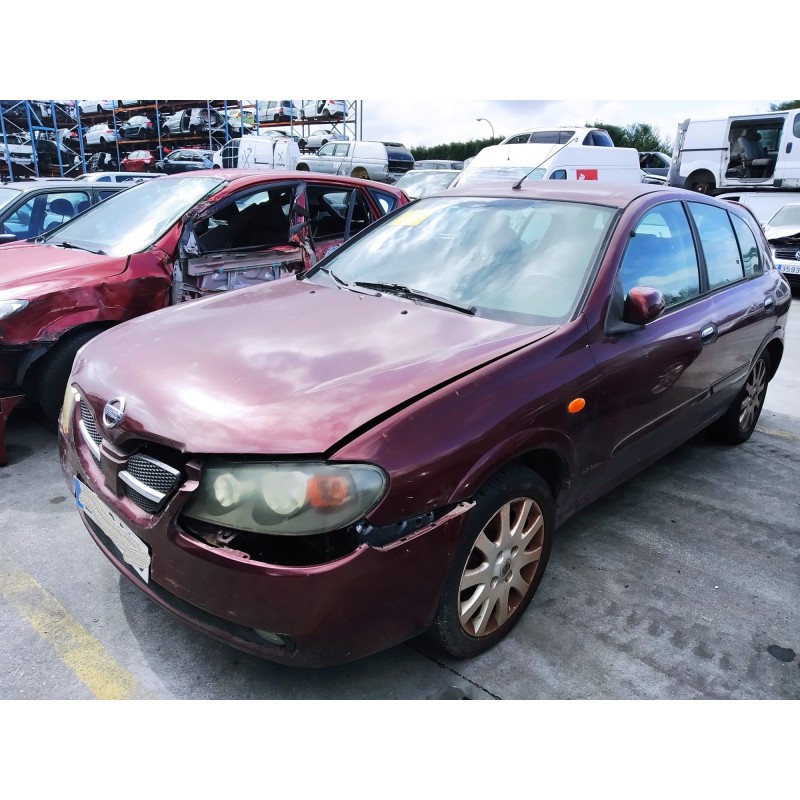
x=32, y=145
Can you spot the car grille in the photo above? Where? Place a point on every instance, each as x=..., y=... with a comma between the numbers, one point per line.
x=787, y=252
x=147, y=481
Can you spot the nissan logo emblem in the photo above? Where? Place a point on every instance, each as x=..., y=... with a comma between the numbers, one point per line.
x=113, y=412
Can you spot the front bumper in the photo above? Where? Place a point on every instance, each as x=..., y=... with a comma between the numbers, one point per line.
x=367, y=601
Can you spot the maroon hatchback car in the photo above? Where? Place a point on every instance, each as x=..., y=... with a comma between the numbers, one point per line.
x=316, y=469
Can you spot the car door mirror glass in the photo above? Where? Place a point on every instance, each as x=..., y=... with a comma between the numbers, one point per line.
x=643, y=304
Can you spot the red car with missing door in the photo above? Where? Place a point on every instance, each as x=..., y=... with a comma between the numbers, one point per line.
x=169, y=240
x=319, y=468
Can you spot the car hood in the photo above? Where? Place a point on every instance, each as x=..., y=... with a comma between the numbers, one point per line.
x=26, y=267
x=286, y=368
x=782, y=232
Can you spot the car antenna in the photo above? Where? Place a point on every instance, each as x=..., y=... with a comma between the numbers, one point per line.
x=518, y=184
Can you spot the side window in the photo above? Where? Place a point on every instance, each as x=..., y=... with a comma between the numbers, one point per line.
x=559, y=175
x=601, y=139
x=20, y=222
x=520, y=138
x=747, y=246
x=326, y=150
x=723, y=260
x=661, y=255
x=341, y=149
x=796, y=126
x=63, y=206
x=387, y=202
x=104, y=195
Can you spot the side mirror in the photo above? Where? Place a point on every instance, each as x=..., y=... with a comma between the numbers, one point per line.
x=5, y=238
x=642, y=305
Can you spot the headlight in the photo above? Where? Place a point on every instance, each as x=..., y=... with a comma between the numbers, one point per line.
x=71, y=397
x=9, y=307
x=291, y=499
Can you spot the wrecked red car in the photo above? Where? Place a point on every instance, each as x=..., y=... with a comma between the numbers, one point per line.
x=167, y=241
x=317, y=469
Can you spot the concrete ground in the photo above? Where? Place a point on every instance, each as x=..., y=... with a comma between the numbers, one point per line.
x=683, y=583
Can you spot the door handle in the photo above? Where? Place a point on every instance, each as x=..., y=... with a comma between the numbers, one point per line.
x=708, y=334
x=769, y=302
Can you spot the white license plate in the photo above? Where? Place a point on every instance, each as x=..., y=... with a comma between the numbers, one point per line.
x=134, y=551
x=793, y=269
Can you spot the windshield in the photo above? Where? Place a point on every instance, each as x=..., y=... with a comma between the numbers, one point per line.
x=134, y=219
x=424, y=182
x=7, y=195
x=788, y=215
x=520, y=260
x=474, y=176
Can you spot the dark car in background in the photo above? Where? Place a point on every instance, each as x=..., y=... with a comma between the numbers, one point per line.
x=319, y=468
x=30, y=209
x=187, y=160
x=138, y=127
x=400, y=159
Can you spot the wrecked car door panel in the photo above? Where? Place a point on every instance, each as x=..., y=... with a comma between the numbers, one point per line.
x=250, y=238
x=336, y=214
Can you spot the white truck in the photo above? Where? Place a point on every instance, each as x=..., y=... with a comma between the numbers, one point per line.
x=751, y=151
x=571, y=161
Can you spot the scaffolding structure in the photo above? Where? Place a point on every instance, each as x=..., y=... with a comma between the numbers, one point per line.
x=47, y=138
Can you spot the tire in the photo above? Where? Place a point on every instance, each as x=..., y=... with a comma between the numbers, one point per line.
x=302, y=144
x=496, y=569
x=99, y=109
x=326, y=113
x=52, y=376
x=102, y=141
x=193, y=130
x=360, y=172
x=702, y=182
x=303, y=168
x=324, y=142
x=737, y=424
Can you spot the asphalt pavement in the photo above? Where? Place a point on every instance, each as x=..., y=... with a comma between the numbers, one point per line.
x=681, y=584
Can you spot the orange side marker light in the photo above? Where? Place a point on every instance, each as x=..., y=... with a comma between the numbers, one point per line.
x=578, y=404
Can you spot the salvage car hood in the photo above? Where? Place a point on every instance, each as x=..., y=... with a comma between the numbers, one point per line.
x=289, y=367
x=26, y=267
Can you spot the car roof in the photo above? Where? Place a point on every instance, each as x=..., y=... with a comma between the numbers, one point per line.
x=245, y=177
x=48, y=185
x=609, y=194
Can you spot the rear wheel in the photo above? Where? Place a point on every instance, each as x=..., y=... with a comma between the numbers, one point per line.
x=739, y=421
x=99, y=109
x=360, y=172
x=498, y=564
x=303, y=168
x=702, y=182
x=326, y=113
x=52, y=376
x=102, y=141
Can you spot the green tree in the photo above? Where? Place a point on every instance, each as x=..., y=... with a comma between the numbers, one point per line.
x=639, y=135
x=786, y=105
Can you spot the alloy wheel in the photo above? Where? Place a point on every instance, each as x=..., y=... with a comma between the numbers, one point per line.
x=754, y=395
x=501, y=567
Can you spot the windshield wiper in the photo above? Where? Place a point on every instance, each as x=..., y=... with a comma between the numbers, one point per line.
x=73, y=246
x=416, y=294
x=334, y=276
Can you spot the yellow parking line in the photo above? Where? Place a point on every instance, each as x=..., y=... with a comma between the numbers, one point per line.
x=74, y=645
x=782, y=434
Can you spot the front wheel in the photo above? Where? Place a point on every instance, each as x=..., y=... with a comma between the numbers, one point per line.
x=53, y=374
x=498, y=564
x=739, y=421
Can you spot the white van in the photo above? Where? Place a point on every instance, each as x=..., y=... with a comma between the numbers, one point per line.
x=258, y=152
x=510, y=162
x=753, y=150
x=369, y=160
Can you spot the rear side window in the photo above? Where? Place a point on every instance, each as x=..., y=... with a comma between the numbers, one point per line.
x=661, y=255
x=721, y=251
x=747, y=246
x=386, y=201
x=520, y=138
x=796, y=126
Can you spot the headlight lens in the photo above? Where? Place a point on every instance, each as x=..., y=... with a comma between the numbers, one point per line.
x=292, y=499
x=9, y=307
x=71, y=397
